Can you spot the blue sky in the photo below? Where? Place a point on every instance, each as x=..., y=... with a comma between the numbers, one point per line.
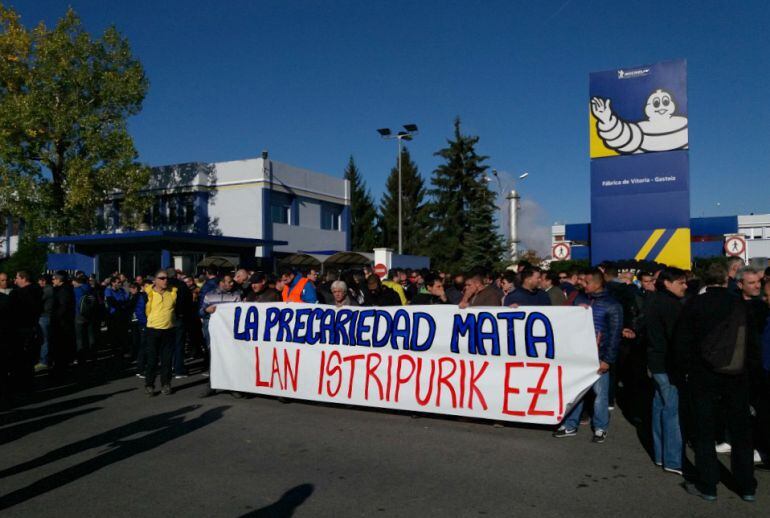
x=311, y=81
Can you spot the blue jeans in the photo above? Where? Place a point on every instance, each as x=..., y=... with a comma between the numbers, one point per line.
x=666, y=434
x=601, y=417
x=45, y=326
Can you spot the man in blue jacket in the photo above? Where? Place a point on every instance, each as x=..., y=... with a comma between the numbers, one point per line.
x=117, y=299
x=529, y=293
x=138, y=302
x=608, y=325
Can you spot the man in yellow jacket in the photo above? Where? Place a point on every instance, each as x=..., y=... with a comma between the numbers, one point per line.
x=161, y=303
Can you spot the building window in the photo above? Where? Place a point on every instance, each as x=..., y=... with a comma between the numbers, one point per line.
x=189, y=210
x=172, y=212
x=280, y=214
x=280, y=208
x=331, y=216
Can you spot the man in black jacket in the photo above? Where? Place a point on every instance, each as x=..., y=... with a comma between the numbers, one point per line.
x=379, y=295
x=704, y=327
x=25, y=303
x=662, y=309
x=62, y=322
x=435, y=292
x=184, y=307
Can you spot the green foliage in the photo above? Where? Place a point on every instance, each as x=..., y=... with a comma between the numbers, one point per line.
x=30, y=256
x=415, y=218
x=64, y=143
x=463, y=209
x=364, y=231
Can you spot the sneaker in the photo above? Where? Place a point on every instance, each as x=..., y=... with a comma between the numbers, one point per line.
x=691, y=489
x=149, y=390
x=564, y=432
x=166, y=390
x=180, y=376
x=41, y=367
x=724, y=447
x=749, y=498
x=599, y=436
x=205, y=374
x=611, y=407
x=140, y=375
x=676, y=471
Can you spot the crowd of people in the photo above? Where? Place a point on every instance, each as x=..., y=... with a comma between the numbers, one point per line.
x=664, y=337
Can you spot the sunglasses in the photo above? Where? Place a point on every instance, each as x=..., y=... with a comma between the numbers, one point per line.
x=162, y=278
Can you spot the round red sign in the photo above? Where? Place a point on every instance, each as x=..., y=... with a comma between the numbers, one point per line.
x=380, y=269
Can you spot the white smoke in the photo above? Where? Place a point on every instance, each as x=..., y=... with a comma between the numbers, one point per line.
x=534, y=226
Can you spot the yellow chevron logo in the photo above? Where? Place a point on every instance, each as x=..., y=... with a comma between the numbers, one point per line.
x=675, y=251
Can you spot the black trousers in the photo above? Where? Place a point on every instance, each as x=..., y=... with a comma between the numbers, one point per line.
x=730, y=397
x=117, y=329
x=85, y=339
x=159, y=342
x=139, y=342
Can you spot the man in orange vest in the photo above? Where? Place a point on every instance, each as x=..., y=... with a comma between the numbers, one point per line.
x=297, y=288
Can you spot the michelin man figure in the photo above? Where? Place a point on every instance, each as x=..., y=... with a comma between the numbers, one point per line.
x=662, y=131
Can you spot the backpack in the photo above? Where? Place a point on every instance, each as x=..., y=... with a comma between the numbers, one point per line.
x=724, y=348
x=87, y=307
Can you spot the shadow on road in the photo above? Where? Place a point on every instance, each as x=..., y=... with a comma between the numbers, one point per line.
x=17, y=431
x=162, y=428
x=286, y=505
x=23, y=414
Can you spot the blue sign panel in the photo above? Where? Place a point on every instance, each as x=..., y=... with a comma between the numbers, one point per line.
x=640, y=186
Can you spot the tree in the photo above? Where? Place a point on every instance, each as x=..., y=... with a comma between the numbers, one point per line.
x=463, y=209
x=64, y=143
x=415, y=222
x=364, y=231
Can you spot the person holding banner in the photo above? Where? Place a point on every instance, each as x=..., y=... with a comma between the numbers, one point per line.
x=608, y=323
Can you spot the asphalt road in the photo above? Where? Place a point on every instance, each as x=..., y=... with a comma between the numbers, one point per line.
x=102, y=448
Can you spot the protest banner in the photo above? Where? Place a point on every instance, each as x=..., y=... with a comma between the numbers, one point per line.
x=523, y=364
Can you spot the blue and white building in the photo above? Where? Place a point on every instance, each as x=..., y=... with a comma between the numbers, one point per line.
x=253, y=212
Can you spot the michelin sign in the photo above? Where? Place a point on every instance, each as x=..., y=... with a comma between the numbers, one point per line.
x=640, y=196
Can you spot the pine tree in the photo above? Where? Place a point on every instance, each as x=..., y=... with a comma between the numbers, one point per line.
x=415, y=218
x=463, y=209
x=364, y=229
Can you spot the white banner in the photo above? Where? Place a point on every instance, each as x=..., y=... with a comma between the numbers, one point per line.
x=526, y=364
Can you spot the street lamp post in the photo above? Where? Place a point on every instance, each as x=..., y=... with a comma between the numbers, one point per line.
x=410, y=131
